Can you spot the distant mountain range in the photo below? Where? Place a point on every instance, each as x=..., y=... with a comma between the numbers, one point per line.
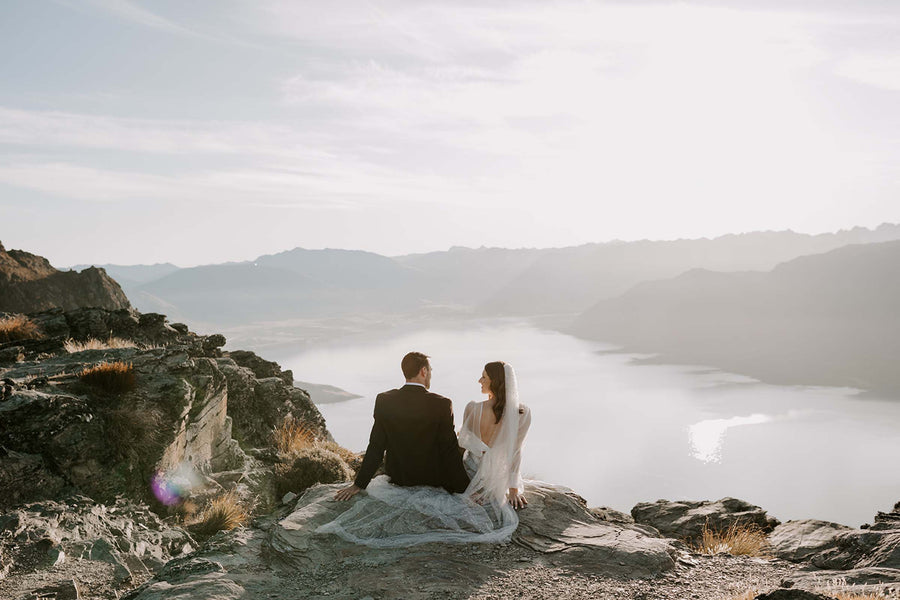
x=304, y=283
x=828, y=319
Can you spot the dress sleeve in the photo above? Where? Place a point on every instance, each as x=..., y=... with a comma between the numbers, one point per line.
x=467, y=437
x=515, y=476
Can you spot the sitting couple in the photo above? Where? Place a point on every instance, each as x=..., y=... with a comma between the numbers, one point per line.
x=439, y=487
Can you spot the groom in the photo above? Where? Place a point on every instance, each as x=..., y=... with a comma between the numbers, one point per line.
x=415, y=428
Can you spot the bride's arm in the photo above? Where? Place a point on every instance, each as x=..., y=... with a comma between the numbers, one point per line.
x=516, y=485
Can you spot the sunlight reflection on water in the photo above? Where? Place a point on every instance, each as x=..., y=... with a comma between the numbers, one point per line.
x=707, y=436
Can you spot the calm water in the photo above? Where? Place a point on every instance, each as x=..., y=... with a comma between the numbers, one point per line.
x=620, y=433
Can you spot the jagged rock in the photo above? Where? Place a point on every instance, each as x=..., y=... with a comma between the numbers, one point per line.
x=66, y=590
x=798, y=540
x=877, y=546
x=258, y=405
x=886, y=520
x=604, y=513
x=261, y=368
x=686, y=519
x=792, y=594
x=29, y=283
x=26, y=478
x=127, y=535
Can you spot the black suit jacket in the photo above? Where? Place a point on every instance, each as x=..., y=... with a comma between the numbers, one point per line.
x=415, y=428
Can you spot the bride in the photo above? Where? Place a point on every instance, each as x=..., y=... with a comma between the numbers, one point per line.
x=492, y=435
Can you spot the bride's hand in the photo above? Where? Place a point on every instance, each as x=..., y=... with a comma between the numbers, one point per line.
x=516, y=499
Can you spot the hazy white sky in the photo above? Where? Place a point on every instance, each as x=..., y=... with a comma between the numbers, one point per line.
x=206, y=131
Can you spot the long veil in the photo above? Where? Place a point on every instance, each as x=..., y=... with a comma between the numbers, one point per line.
x=393, y=516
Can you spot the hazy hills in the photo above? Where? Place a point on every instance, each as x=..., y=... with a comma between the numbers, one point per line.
x=572, y=279
x=829, y=319
x=734, y=301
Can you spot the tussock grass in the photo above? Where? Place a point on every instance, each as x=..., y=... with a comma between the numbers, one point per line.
x=223, y=513
x=73, y=346
x=738, y=539
x=113, y=377
x=292, y=437
x=18, y=327
x=308, y=467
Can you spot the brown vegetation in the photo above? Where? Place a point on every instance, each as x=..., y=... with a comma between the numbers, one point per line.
x=223, y=513
x=292, y=436
x=310, y=466
x=113, y=377
x=738, y=539
x=18, y=327
x=73, y=346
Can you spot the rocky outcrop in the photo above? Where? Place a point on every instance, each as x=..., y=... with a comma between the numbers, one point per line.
x=283, y=551
x=864, y=558
x=29, y=283
x=58, y=435
x=686, y=519
x=797, y=541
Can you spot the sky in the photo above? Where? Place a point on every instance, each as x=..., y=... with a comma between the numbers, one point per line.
x=215, y=130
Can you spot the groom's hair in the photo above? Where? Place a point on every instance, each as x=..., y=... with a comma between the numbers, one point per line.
x=412, y=363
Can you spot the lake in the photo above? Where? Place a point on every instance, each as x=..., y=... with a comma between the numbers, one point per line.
x=619, y=433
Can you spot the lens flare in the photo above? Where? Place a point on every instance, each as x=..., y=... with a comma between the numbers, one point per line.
x=174, y=486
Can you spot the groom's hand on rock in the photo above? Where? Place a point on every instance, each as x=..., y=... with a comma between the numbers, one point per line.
x=347, y=492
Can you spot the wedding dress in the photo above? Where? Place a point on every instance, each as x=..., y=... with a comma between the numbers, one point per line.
x=390, y=516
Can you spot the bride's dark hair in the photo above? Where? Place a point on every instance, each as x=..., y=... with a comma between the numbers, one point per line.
x=497, y=374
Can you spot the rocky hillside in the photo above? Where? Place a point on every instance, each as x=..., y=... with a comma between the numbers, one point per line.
x=129, y=429
x=826, y=319
x=28, y=282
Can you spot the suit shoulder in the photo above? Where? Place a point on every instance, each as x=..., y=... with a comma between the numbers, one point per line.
x=439, y=398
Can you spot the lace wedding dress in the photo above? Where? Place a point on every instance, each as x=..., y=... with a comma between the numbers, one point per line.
x=393, y=516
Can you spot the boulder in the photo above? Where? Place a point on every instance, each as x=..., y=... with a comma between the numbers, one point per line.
x=686, y=519
x=799, y=540
x=558, y=523
x=859, y=548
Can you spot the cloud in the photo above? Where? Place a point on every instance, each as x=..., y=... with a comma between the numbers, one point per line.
x=879, y=71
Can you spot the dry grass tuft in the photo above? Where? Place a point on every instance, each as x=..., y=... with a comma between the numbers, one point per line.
x=73, y=346
x=738, y=539
x=222, y=514
x=18, y=327
x=292, y=437
x=113, y=377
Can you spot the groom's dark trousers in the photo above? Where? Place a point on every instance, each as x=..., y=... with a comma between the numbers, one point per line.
x=414, y=427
